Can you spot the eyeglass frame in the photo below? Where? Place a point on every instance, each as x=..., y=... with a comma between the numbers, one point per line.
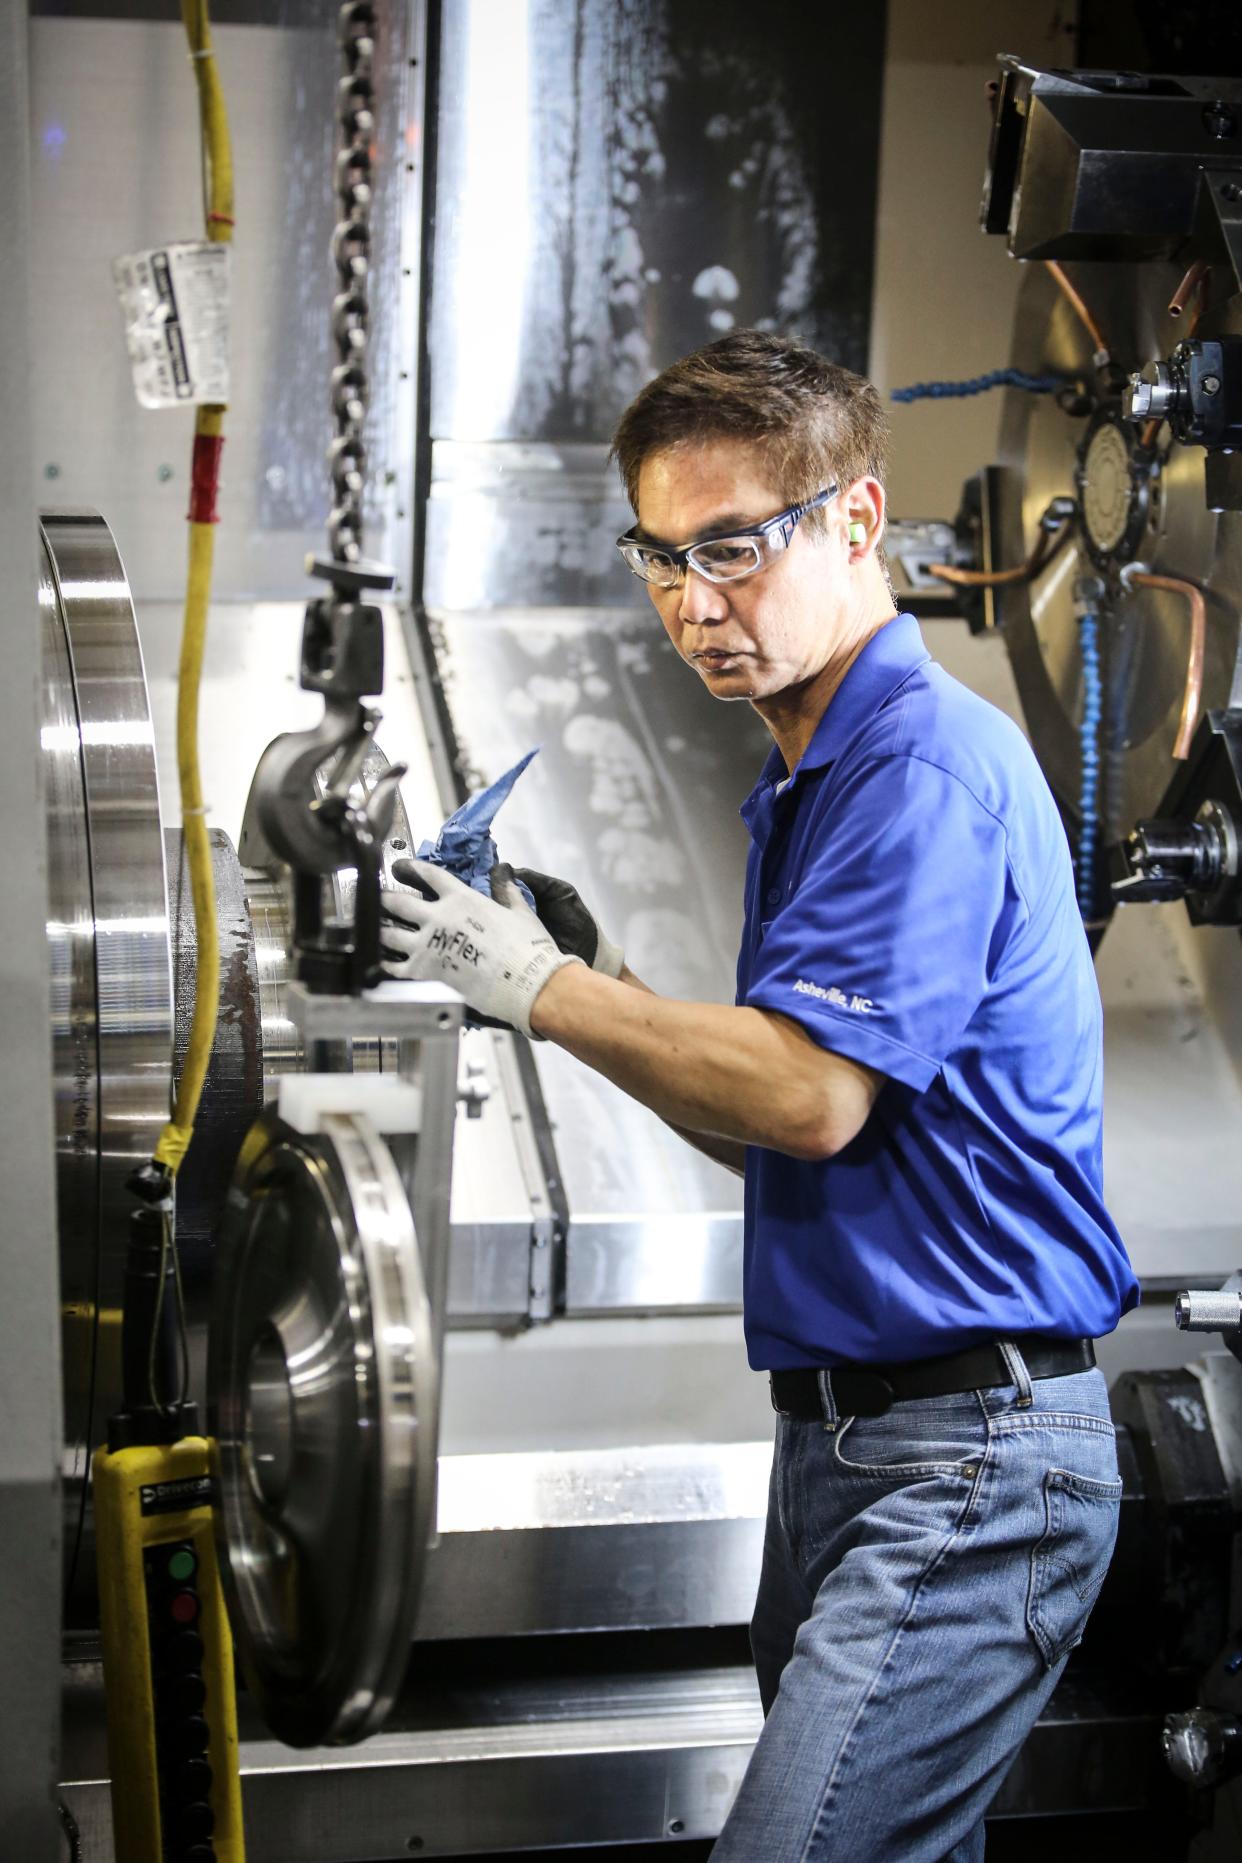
x=784, y=524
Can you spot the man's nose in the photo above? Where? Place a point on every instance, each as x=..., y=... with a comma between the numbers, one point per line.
x=701, y=601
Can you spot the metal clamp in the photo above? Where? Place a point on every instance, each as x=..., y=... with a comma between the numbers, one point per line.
x=320, y=826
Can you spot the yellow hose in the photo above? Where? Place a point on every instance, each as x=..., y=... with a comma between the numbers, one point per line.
x=175, y=1138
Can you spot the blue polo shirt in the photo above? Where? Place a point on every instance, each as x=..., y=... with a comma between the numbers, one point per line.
x=910, y=903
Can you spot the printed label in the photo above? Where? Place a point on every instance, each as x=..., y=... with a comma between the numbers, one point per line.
x=859, y=1005
x=175, y=302
x=175, y=1497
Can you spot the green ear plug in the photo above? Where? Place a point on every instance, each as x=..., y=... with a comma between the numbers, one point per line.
x=858, y=533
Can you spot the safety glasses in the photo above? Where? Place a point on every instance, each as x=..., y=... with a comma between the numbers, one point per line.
x=720, y=559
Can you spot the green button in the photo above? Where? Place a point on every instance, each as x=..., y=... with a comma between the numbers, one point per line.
x=183, y=1564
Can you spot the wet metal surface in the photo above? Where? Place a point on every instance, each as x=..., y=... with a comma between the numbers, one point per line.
x=111, y=997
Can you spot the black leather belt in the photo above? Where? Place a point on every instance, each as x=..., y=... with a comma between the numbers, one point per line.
x=869, y=1390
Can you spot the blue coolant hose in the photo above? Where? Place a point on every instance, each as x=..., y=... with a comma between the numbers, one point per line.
x=979, y=384
x=1089, y=738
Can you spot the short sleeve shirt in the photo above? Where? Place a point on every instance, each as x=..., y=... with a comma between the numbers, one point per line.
x=910, y=904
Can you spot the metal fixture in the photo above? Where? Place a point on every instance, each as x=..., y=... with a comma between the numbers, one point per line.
x=1198, y=390
x=1071, y=171
x=1113, y=475
x=1208, y=1311
x=322, y=1379
x=1202, y=1748
x=1189, y=850
x=306, y=794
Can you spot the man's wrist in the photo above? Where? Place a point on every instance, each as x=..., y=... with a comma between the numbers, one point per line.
x=557, y=1005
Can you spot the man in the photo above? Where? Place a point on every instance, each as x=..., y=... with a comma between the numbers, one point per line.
x=910, y=1083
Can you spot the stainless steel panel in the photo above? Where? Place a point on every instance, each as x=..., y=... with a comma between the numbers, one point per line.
x=621, y=180
x=512, y=525
x=568, y=1760
x=489, y=1273
x=537, y=1582
x=654, y=1264
x=1171, y=1092
x=655, y=1379
x=495, y=1766
x=30, y=1370
x=634, y=797
x=646, y=1537
x=116, y=169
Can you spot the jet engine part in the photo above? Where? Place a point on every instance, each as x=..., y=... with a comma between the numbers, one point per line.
x=323, y=1380
x=111, y=988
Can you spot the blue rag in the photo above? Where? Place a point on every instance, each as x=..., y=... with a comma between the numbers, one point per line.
x=464, y=845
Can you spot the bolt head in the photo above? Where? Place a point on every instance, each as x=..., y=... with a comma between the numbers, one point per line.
x=1139, y=397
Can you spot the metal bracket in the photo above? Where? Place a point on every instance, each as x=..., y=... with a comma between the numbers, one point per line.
x=1217, y=234
x=400, y=1011
x=547, y=1229
x=319, y=825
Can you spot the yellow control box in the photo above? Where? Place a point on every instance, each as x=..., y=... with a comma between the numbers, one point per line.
x=168, y=1657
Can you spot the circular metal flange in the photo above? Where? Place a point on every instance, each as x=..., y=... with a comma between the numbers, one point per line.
x=322, y=1394
x=108, y=957
x=1114, y=488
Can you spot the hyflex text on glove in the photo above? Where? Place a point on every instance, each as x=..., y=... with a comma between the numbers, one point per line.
x=498, y=956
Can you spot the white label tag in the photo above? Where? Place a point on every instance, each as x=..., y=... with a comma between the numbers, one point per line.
x=175, y=302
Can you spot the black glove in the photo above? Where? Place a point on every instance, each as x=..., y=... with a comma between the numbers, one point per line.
x=575, y=928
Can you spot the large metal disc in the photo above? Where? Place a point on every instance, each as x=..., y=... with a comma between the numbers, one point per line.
x=322, y=1388
x=1173, y=532
x=108, y=949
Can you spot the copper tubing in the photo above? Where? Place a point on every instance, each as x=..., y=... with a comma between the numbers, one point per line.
x=978, y=578
x=1192, y=698
x=1080, y=308
x=1046, y=546
x=1192, y=282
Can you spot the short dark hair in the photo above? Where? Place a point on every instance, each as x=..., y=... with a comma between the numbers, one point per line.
x=812, y=420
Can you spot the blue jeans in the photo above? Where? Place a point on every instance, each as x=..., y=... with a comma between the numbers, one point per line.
x=925, y=1575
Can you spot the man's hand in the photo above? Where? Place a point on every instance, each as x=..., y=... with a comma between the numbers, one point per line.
x=496, y=954
x=575, y=928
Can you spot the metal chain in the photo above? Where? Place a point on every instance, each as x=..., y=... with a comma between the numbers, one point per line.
x=351, y=253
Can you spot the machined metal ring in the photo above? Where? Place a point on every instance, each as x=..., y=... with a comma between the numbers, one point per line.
x=322, y=1394
x=108, y=953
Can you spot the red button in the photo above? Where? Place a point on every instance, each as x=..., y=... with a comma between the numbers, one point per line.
x=184, y=1607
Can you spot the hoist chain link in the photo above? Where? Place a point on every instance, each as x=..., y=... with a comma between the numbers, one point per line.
x=351, y=254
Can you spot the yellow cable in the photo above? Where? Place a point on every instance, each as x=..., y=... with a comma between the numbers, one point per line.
x=175, y=1138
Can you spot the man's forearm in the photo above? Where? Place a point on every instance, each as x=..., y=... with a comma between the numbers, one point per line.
x=730, y=1074
x=730, y=1153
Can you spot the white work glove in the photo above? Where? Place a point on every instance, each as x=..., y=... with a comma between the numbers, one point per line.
x=494, y=951
x=572, y=924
